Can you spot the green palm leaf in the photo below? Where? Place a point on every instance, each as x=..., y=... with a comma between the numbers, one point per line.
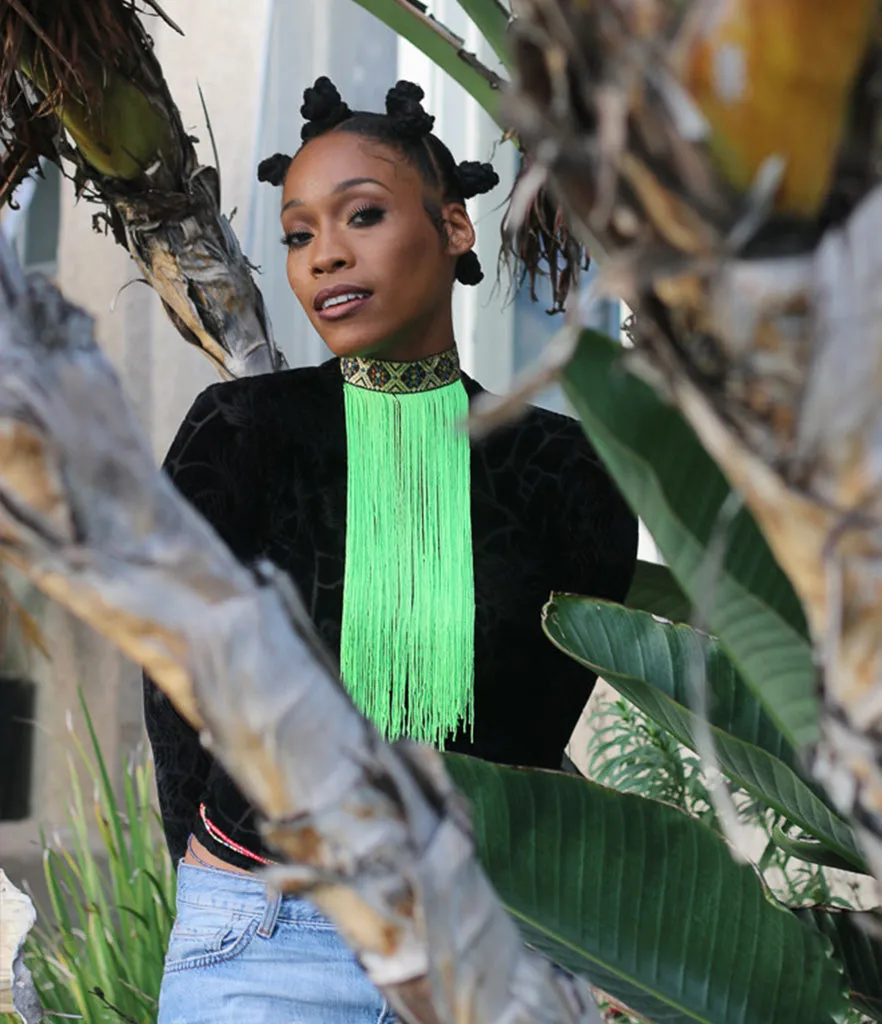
x=650, y=662
x=676, y=488
x=654, y=589
x=857, y=942
x=645, y=902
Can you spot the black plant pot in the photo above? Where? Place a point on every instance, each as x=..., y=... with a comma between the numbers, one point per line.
x=18, y=700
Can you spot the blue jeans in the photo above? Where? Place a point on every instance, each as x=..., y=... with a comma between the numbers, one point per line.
x=241, y=955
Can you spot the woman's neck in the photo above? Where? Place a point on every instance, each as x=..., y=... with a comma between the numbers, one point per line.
x=432, y=336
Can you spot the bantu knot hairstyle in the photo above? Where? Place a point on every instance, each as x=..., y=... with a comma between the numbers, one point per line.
x=323, y=109
x=408, y=128
x=475, y=178
x=274, y=168
x=405, y=111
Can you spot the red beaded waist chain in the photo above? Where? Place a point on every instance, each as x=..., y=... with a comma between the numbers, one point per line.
x=225, y=840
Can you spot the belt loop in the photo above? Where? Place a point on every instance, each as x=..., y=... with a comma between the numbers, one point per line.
x=270, y=913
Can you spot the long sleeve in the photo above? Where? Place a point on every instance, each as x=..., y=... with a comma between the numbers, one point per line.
x=591, y=549
x=212, y=464
x=597, y=549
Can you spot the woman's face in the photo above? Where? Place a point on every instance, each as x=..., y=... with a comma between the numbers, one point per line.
x=364, y=257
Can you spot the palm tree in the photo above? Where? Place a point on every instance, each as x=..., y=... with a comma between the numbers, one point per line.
x=80, y=82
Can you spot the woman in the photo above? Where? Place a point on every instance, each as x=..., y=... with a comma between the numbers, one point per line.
x=424, y=560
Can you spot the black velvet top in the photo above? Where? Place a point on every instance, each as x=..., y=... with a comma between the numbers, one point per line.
x=264, y=460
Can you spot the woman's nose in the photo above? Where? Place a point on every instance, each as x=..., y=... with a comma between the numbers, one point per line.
x=328, y=256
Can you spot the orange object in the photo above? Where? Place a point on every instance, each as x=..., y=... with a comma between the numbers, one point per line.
x=775, y=77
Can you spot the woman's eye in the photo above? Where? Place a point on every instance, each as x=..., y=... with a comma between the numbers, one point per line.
x=366, y=216
x=296, y=239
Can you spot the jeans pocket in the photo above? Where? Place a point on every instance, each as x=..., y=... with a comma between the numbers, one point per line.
x=200, y=940
x=387, y=1016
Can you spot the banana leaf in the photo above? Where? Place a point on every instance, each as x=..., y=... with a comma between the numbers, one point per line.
x=645, y=902
x=445, y=48
x=857, y=943
x=651, y=663
x=654, y=589
x=677, y=489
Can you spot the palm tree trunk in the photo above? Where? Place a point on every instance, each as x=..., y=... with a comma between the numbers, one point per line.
x=17, y=917
x=727, y=158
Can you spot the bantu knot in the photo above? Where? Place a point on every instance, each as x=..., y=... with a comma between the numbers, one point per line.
x=468, y=268
x=323, y=108
x=475, y=178
x=404, y=109
x=274, y=168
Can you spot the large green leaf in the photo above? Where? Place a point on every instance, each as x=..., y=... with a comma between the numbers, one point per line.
x=813, y=852
x=857, y=943
x=644, y=901
x=677, y=489
x=491, y=18
x=444, y=47
x=650, y=663
x=655, y=590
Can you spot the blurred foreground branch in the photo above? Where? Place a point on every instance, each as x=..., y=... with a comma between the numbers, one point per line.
x=375, y=834
x=727, y=157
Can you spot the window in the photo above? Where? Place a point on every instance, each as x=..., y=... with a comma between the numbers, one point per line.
x=18, y=700
x=33, y=228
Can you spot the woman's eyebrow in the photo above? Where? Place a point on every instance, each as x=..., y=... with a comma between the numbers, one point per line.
x=343, y=186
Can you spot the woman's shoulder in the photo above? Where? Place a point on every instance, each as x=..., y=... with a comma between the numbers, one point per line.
x=547, y=440
x=271, y=398
x=283, y=382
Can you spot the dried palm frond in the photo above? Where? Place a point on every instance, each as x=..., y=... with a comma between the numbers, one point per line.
x=80, y=83
x=725, y=157
x=537, y=243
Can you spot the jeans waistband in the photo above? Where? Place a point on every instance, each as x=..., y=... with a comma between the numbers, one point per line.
x=216, y=889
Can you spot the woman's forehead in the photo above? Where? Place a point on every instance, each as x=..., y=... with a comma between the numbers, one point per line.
x=327, y=161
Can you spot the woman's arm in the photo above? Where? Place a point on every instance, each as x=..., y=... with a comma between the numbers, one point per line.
x=212, y=463
x=597, y=533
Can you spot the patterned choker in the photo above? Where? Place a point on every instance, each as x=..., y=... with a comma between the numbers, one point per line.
x=402, y=378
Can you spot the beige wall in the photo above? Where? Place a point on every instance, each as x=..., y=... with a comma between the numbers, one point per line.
x=160, y=373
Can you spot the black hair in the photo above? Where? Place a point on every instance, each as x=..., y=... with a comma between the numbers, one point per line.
x=406, y=127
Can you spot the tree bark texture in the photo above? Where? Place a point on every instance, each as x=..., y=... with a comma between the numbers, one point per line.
x=17, y=917
x=725, y=158
x=374, y=834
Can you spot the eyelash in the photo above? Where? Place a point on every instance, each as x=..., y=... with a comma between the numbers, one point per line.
x=370, y=215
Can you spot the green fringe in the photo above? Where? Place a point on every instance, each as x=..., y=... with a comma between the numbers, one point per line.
x=407, y=646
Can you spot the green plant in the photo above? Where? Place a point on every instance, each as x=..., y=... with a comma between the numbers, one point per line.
x=638, y=896
x=98, y=955
x=645, y=902
x=630, y=752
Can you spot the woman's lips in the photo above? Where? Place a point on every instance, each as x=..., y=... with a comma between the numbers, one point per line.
x=344, y=309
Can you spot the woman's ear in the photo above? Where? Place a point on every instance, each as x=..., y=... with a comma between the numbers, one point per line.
x=460, y=230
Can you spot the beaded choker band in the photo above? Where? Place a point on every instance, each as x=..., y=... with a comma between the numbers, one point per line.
x=397, y=378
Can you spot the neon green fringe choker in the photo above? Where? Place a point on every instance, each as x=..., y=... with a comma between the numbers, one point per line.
x=407, y=645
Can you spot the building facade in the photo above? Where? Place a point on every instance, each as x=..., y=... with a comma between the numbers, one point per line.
x=252, y=70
